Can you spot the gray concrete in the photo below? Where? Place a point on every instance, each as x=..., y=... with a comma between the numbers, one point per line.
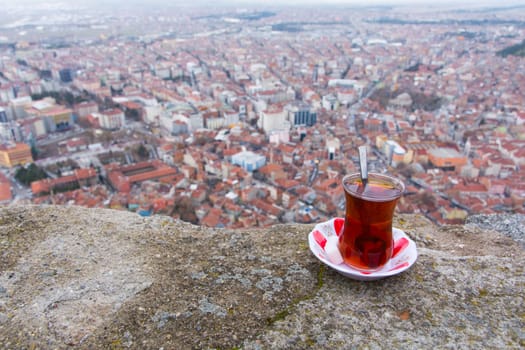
x=96, y=278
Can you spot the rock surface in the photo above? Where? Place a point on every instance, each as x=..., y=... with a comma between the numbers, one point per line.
x=92, y=278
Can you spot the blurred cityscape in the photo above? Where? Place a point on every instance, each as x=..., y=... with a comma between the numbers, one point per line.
x=241, y=117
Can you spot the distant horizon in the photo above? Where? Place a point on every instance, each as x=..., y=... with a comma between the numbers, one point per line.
x=364, y=3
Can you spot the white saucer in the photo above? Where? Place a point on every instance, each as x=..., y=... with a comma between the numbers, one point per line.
x=405, y=252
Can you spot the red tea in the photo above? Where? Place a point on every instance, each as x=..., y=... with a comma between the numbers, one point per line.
x=366, y=242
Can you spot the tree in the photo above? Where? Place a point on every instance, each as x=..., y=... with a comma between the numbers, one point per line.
x=516, y=50
x=34, y=152
x=211, y=182
x=425, y=102
x=201, y=141
x=427, y=200
x=106, y=136
x=132, y=114
x=142, y=152
x=30, y=174
x=405, y=170
x=184, y=207
x=382, y=96
x=69, y=98
x=257, y=175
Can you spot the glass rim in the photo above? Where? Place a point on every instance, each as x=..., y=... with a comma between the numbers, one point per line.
x=396, y=182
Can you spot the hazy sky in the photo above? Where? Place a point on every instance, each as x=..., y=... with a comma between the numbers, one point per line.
x=37, y=5
x=295, y=2
x=388, y=2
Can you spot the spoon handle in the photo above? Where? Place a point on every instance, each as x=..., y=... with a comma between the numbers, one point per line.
x=363, y=164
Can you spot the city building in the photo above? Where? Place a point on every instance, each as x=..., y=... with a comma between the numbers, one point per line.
x=18, y=106
x=111, y=119
x=122, y=177
x=3, y=115
x=58, y=118
x=13, y=154
x=395, y=153
x=7, y=92
x=446, y=158
x=80, y=177
x=84, y=109
x=174, y=124
x=330, y=102
x=273, y=118
x=55, y=117
x=248, y=160
x=66, y=75
x=301, y=115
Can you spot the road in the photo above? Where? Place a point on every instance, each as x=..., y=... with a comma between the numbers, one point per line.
x=54, y=138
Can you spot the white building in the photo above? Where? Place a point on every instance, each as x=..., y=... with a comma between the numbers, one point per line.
x=196, y=122
x=273, y=119
x=10, y=131
x=231, y=118
x=151, y=114
x=330, y=102
x=279, y=136
x=333, y=145
x=249, y=161
x=174, y=124
x=394, y=152
x=112, y=119
x=19, y=105
x=214, y=122
x=7, y=93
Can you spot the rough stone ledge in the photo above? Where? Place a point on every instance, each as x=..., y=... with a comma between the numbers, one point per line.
x=93, y=278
